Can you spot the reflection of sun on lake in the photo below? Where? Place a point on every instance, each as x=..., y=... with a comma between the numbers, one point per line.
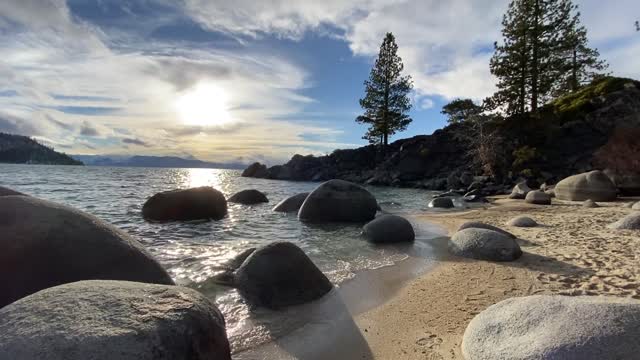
x=203, y=177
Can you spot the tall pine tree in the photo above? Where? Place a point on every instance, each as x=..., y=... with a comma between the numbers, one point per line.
x=386, y=100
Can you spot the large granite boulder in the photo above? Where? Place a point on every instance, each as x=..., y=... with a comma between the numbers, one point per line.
x=538, y=197
x=279, y=275
x=594, y=185
x=248, y=197
x=522, y=221
x=338, y=201
x=629, y=222
x=291, y=204
x=441, y=203
x=8, y=192
x=186, y=204
x=555, y=327
x=481, y=225
x=389, y=229
x=256, y=170
x=484, y=244
x=104, y=320
x=43, y=244
x=520, y=191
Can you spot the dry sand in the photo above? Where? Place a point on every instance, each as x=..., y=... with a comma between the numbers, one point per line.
x=572, y=252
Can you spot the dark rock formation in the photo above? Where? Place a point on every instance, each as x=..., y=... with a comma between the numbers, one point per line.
x=484, y=244
x=256, y=170
x=248, y=197
x=389, y=229
x=291, y=204
x=187, y=204
x=441, y=203
x=338, y=201
x=594, y=185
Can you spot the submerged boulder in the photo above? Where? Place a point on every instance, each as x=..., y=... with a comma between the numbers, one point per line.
x=629, y=222
x=441, y=203
x=594, y=185
x=484, y=244
x=538, y=197
x=481, y=225
x=522, y=221
x=520, y=191
x=44, y=244
x=389, y=229
x=105, y=320
x=555, y=327
x=338, y=201
x=186, y=204
x=256, y=170
x=291, y=204
x=8, y=192
x=249, y=197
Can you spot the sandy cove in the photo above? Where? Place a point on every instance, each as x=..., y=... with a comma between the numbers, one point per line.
x=572, y=252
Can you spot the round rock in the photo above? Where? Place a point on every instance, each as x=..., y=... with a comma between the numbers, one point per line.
x=629, y=222
x=590, y=204
x=186, y=204
x=103, y=320
x=555, y=327
x=249, y=197
x=291, y=204
x=520, y=191
x=44, y=244
x=484, y=244
x=8, y=192
x=338, y=201
x=538, y=197
x=594, y=185
x=522, y=221
x=481, y=225
x=389, y=229
x=441, y=203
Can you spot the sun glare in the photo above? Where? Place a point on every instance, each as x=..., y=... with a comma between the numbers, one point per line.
x=204, y=105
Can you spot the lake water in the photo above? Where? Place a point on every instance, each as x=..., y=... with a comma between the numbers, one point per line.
x=193, y=252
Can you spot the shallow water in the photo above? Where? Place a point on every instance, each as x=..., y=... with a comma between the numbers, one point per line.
x=193, y=251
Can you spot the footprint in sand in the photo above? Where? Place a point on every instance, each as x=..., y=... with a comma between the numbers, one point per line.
x=431, y=341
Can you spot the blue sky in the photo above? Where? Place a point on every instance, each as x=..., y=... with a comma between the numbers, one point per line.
x=247, y=80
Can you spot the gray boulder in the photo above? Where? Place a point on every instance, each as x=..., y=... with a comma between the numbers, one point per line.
x=551, y=193
x=291, y=204
x=8, y=192
x=484, y=244
x=481, y=225
x=186, y=204
x=629, y=222
x=248, y=197
x=279, y=275
x=555, y=327
x=590, y=204
x=256, y=170
x=338, y=201
x=441, y=203
x=538, y=197
x=520, y=191
x=43, y=244
x=104, y=320
x=594, y=185
x=389, y=229
x=522, y=221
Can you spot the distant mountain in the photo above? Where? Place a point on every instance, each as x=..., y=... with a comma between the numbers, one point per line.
x=153, y=161
x=17, y=149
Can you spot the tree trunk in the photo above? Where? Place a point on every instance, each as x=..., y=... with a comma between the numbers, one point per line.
x=386, y=139
x=534, y=57
x=574, y=71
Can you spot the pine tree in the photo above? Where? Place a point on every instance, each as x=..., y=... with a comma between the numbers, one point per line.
x=386, y=102
x=461, y=110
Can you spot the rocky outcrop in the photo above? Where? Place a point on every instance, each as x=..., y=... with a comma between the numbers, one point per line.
x=338, y=201
x=8, y=192
x=441, y=203
x=555, y=327
x=538, y=198
x=594, y=185
x=44, y=244
x=522, y=221
x=389, y=229
x=629, y=222
x=291, y=204
x=248, y=197
x=105, y=320
x=484, y=244
x=481, y=225
x=256, y=170
x=186, y=204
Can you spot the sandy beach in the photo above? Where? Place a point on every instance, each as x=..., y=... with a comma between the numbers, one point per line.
x=572, y=252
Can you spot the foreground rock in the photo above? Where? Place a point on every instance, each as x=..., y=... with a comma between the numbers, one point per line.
x=636, y=206
x=594, y=185
x=186, y=204
x=8, y=192
x=629, y=222
x=249, y=197
x=555, y=327
x=43, y=244
x=522, y=221
x=291, y=204
x=256, y=170
x=590, y=204
x=481, y=225
x=279, y=275
x=389, y=229
x=538, y=197
x=484, y=244
x=441, y=203
x=104, y=320
x=338, y=201
x=520, y=191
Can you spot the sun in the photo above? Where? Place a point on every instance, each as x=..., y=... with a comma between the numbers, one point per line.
x=204, y=105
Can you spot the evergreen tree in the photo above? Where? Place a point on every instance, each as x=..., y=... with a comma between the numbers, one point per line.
x=386, y=102
x=460, y=110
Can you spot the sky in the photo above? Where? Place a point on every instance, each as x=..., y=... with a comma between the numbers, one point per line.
x=248, y=80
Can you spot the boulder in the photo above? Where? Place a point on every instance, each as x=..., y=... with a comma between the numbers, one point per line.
x=389, y=229
x=248, y=197
x=441, y=203
x=8, y=192
x=520, y=191
x=338, y=201
x=279, y=275
x=291, y=204
x=551, y=193
x=555, y=327
x=186, y=204
x=256, y=170
x=594, y=185
x=44, y=244
x=522, y=221
x=481, y=225
x=103, y=320
x=590, y=204
x=484, y=244
x=636, y=206
x=538, y=197
x=475, y=199
x=629, y=222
